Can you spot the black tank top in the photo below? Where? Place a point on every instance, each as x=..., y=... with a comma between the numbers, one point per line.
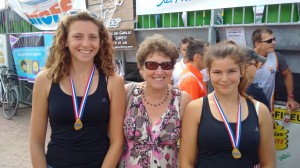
x=214, y=146
x=87, y=147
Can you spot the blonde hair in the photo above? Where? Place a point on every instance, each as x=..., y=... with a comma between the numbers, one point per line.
x=58, y=61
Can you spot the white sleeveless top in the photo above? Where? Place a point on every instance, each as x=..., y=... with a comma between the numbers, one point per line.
x=265, y=77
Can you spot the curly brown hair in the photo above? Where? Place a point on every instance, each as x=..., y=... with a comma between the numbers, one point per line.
x=59, y=58
x=156, y=44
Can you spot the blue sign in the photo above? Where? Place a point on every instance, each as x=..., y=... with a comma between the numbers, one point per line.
x=30, y=52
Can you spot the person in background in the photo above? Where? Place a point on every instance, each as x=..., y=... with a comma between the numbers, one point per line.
x=81, y=95
x=252, y=63
x=263, y=42
x=191, y=79
x=181, y=65
x=153, y=115
x=227, y=128
x=117, y=62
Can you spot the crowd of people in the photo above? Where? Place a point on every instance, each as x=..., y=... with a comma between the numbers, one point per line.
x=168, y=120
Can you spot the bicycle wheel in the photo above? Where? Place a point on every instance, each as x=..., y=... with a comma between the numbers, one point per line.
x=11, y=103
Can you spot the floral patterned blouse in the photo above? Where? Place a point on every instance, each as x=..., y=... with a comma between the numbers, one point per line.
x=146, y=146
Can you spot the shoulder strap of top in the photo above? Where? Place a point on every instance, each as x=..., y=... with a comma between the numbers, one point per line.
x=178, y=97
x=205, y=107
x=257, y=107
x=131, y=88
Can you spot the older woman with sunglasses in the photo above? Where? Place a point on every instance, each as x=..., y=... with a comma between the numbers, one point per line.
x=154, y=110
x=82, y=96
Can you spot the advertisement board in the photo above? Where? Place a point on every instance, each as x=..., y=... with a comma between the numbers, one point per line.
x=145, y=7
x=30, y=52
x=287, y=137
x=3, y=50
x=118, y=17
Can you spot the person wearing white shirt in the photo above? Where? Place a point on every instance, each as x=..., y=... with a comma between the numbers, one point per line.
x=180, y=66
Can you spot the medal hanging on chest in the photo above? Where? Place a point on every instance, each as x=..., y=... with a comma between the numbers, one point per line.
x=78, y=113
x=235, y=140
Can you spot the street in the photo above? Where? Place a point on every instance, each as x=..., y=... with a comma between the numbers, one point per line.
x=14, y=139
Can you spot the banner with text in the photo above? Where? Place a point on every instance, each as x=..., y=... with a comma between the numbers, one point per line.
x=3, y=50
x=287, y=137
x=118, y=18
x=124, y=39
x=44, y=14
x=145, y=7
x=30, y=52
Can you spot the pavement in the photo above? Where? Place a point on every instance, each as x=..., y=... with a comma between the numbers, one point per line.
x=14, y=139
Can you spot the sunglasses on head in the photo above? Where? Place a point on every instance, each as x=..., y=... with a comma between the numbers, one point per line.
x=254, y=63
x=73, y=12
x=269, y=41
x=154, y=65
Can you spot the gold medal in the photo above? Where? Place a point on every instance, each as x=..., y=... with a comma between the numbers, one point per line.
x=78, y=124
x=236, y=153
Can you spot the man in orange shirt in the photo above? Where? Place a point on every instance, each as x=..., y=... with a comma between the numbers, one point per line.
x=191, y=79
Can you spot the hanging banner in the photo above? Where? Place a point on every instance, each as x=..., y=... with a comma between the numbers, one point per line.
x=3, y=50
x=44, y=14
x=30, y=52
x=145, y=7
x=118, y=17
x=286, y=137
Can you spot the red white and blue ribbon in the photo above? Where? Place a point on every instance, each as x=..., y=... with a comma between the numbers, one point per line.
x=78, y=113
x=235, y=140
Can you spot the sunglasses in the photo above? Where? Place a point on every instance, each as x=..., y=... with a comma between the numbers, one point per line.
x=73, y=12
x=269, y=41
x=154, y=65
x=253, y=63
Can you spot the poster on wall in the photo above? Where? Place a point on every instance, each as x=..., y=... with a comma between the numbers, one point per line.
x=236, y=34
x=30, y=52
x=287, y=137
x=44, y=14
x=118, y=17
x=3, y=50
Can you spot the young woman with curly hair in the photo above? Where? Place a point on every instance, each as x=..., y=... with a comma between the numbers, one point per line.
x=81, y=96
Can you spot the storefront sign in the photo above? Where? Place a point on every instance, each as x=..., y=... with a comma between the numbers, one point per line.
x=145, y=7
x=124, y=39
x=118, y=18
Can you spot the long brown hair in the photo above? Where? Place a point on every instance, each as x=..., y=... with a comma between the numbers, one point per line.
x=58, y=61
x=229, y=49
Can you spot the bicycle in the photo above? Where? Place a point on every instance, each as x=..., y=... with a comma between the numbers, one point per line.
x=9, y=98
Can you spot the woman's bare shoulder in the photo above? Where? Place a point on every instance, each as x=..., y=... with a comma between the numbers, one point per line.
x=41, y=80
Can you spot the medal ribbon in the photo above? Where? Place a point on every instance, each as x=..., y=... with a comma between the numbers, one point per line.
x=78, y=113
x=235, y=140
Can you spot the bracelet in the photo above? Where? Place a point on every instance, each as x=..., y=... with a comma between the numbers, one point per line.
x=291, y=96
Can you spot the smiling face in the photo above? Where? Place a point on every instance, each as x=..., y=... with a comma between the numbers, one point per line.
x=83, y=41
x=225, y=75
x=159, y=78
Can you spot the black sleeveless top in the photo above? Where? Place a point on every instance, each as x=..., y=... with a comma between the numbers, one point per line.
x=87, y=147
x=214, y=146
